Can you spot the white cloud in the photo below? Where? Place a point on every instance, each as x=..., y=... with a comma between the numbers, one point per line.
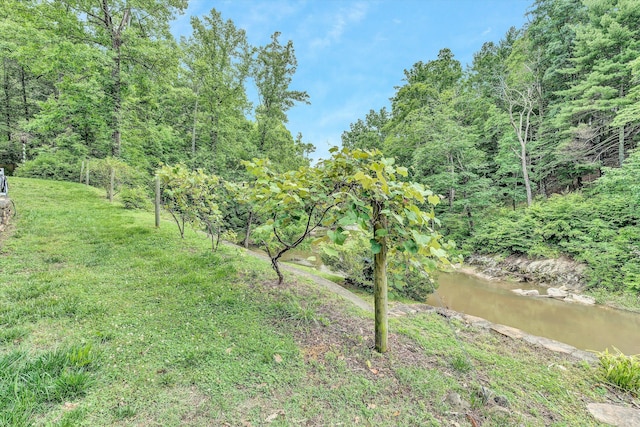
x=339, y=23
x=487, y=31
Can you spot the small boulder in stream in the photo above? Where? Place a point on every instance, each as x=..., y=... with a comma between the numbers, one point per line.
x=557, y=293
x=527, y=292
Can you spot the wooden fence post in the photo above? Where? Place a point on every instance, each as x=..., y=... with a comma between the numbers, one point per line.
x=157, y=201
x=112, y=181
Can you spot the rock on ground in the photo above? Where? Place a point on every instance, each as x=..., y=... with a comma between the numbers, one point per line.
x=614, y=415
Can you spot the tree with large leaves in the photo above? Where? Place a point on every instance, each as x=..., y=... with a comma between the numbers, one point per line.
x=352, y=192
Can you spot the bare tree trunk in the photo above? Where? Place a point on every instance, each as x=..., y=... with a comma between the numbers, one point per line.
x=525, y=172
x=452, y=191
x=380, y=283
x=23, y=139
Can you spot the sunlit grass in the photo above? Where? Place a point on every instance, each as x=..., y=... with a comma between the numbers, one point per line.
x=105, y=320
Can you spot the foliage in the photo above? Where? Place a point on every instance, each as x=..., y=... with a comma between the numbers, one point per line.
x=293, y=204
x=175, y=329
x=112, y=175
x=598, y=230
x=621, y=370
x=371, y=181
x=353, y=258
x=193, y=197
x=135, y=198
x=59, y=165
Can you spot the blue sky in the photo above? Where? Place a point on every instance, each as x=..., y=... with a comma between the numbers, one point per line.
x=351, y=54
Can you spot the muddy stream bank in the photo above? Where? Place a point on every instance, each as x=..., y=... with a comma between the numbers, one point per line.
x=585, y=327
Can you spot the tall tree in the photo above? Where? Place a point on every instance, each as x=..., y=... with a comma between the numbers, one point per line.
x=218, y=59
x=121, y=28
x=606, y=46
x=273, y=71
x=369, y=133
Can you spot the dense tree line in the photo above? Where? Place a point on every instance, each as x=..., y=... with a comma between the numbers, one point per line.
x=95, y=79
x=549, y=109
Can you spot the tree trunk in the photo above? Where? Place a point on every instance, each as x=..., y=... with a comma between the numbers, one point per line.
x=116, y=44
x=117, y=100
x=276, y=267
x=7, y=97
x=157, y=201
x=380, y=282
x=23, y=139
x=452, y=190
x=248, y=231
x=525, y=172
x=193, y=130
x=25, y=104
x=621, y=146
x=621, y=135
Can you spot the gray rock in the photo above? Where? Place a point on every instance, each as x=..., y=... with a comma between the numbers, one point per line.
x=614, y=415
x=557, y=293
x=456, y=401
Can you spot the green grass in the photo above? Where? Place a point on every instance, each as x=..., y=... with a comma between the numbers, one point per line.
x=105, y=320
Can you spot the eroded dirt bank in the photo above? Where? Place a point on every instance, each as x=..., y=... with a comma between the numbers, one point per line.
x=545, y=272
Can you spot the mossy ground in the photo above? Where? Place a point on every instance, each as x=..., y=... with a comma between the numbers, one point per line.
x=105, y=320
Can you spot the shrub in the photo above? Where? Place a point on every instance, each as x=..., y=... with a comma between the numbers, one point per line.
x=135, y=198
x=620, y=370
x=58, y=165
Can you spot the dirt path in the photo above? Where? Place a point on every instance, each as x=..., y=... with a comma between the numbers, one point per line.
x=328, y=284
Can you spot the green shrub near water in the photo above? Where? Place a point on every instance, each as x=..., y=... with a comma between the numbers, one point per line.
x=621, y=370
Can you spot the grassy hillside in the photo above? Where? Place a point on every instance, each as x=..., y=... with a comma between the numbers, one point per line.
x=105, y=320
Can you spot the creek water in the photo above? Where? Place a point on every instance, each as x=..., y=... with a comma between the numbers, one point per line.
x=582, y=326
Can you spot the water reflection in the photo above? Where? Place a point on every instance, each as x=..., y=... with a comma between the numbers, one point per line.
x=585, y=327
